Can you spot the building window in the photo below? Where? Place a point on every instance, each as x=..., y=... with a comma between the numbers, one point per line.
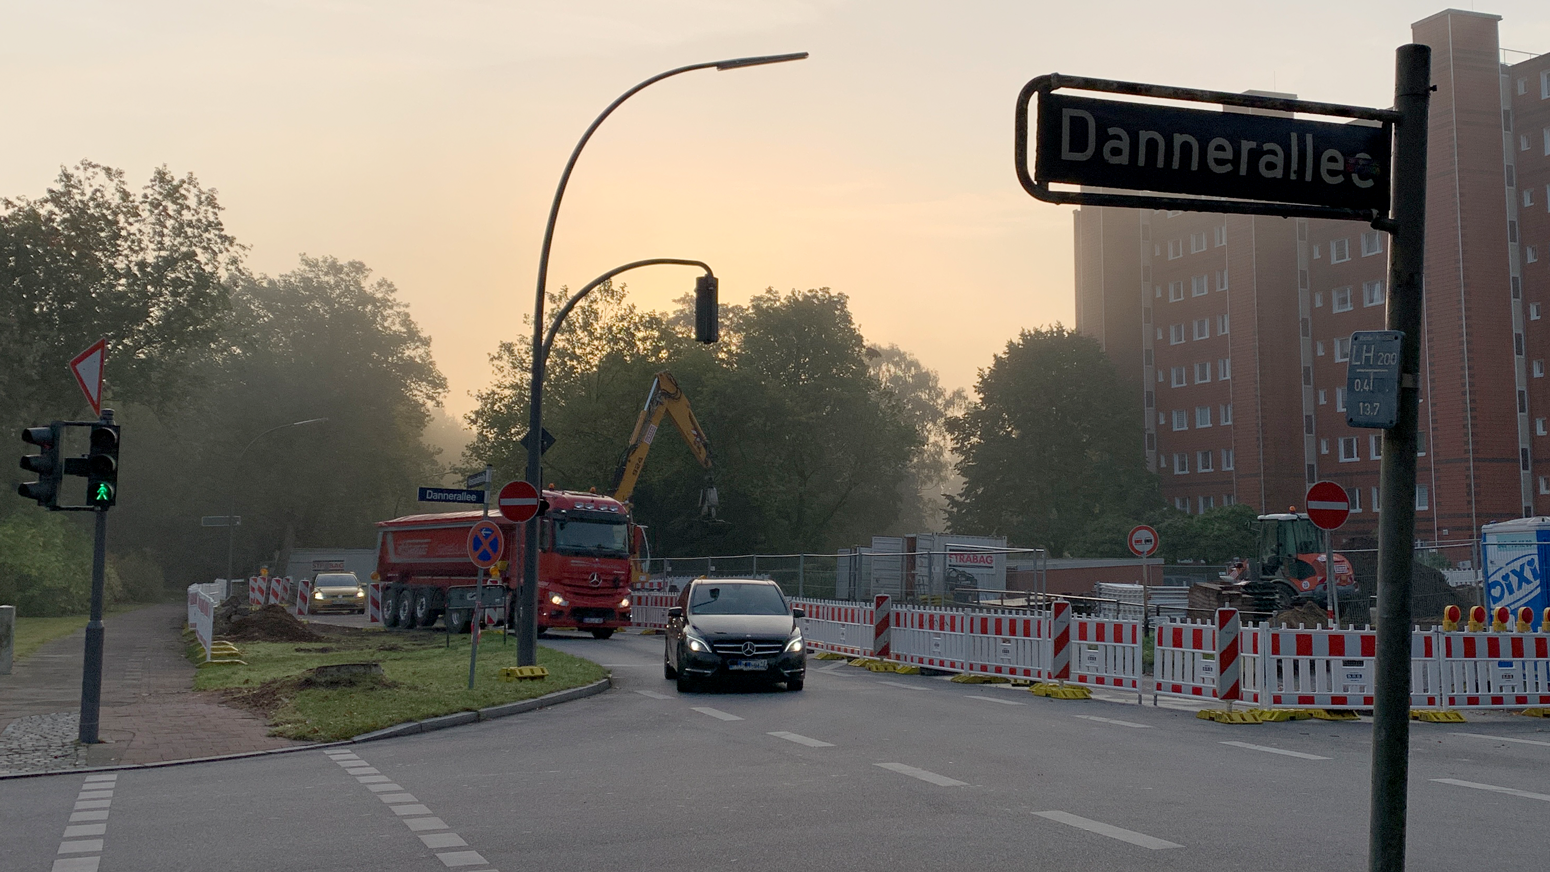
x=1348, y=449
x=1546, y=133
x=1372, y=293
x=1544, y=85
x=1531, y=254
x=1340, y=300
x=1423, y=498
x=1323, y=397
x=1539, y=369
x=1207, y=503
x=1420, y=443
x=1203, y=461
x=1528, y=196
x=1229, y=500
x=1544, y=485
x=1522, y=143
x=1318, y=299
x=1175, y=249
x=1180, y=504
x=1157, y=291
x=1221, y=324
x=1227, y=413
x=1318, y=349
x=1522, y=87
x=1323, y=446
x=1175, y=291
x=1199, y=286
x=1533, y=311
x=1224, y=369
x=1342, y=348
x=1372, y=243
x=1175, y=334
x=1539, y=427
x=1202, y=416
x=1202, y=328
x=1159, y=334
x=1202, y=372
x=1181, y=464
x=1339, y=250
x=1315, y=252
x=1221, y=280
x=1161, y=419
x=1179, y=376
x=1180, y=419
x=1160, y=376
x=1227, y=459
x=1353, y=495
x=1197, y=242
x=1221, y=235
x=1376, y=506
x=1340, y=399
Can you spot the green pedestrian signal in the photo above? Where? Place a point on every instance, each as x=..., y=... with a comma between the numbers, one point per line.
x=102, y=495
x=102, y=466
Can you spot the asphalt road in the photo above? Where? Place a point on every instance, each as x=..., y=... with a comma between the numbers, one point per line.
x=860, y=771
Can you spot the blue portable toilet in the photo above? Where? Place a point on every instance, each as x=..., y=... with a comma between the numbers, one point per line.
x=1516, y=554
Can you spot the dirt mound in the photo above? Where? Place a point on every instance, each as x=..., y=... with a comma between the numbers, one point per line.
x=271, y=696
x=1304, y=614
x=268, y=624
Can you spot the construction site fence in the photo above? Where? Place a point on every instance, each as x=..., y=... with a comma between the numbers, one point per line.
x=202, y=599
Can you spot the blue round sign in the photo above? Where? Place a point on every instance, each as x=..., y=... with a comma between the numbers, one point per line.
x=485, y=544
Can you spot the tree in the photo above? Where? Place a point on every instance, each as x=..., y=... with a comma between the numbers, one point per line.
x=1047, y=454
x=927, y=406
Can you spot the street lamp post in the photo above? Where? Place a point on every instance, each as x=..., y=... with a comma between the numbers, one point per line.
x=231, y=512
x=527, y=634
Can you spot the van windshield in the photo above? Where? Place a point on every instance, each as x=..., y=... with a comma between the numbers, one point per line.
x=605, y=538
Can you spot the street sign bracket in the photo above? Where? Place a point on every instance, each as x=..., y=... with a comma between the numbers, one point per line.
x=1054, y=81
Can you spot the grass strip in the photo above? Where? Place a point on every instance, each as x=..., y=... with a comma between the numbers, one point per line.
x=421, y=678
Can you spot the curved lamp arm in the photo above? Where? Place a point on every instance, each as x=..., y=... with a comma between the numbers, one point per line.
x=559, y=317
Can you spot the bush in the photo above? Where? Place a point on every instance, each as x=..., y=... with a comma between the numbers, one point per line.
x=45, y=566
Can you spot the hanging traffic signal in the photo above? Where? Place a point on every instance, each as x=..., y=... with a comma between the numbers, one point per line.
x=102, y=466
x=46, y=464
x=707, y=315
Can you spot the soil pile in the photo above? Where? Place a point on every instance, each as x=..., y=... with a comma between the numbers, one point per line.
x=1304, y=614
x=269, y=697
x=268, y=624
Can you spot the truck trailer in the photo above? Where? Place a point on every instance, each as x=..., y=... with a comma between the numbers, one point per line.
x=586, y=542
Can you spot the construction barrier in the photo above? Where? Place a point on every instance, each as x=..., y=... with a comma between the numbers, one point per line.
x=1494, y=670
x=277, y=587
x=839, y=627
x=374, y=602
x=1107, y=653
x=648, y=610
x=882, y=616
x=303, y=597
x=257, y=591
x=201, y=614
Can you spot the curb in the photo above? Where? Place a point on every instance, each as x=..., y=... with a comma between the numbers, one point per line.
x=407, y=729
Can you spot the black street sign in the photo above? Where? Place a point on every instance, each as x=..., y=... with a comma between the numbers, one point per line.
x=1372, y=379
x=1146, y=147
x=481, y=477
x=220, y=521
x=451, y=495
x=547, y=441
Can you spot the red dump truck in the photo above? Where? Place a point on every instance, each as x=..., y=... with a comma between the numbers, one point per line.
x=586, y=542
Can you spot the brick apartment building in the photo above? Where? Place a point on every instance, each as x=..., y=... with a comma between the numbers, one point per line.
x=1233, y=331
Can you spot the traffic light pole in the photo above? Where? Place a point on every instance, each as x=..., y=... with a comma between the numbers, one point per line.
x=91, y=672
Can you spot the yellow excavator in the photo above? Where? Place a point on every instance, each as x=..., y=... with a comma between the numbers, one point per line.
x=665, y=398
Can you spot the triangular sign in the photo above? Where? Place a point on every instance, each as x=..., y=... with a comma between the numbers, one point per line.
x=87, y=369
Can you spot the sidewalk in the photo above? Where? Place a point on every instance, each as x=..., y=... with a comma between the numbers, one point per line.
x=149, y=712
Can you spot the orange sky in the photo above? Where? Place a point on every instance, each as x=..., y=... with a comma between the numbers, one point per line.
x=426, y=139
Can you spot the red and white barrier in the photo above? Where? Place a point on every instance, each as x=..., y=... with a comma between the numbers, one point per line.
x=1184, y=659
x=648, y=610
x=882, y=618
x=1229, y=667
x=374, y=602
x=1060, y=644
x=838, y=627
x=258, y=589
x=276, y=595
x=303, y=597
x=1107, y=653
x=1494, y=670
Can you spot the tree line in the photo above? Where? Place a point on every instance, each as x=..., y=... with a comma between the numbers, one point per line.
x=820, y=439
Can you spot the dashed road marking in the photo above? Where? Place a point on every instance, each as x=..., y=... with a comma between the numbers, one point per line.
x=391, y=798
x=1103, y=829
x=92, y=804
x=1503, y=739
x=1112, y=721
x=1493, y=788
x=802, y=740
x=425, y=823
x=716, y=713
x=993, y=699
x=901, y=684
x=364, y=770
x=453, y=859
x=432, y=831
x=383, y=788
x=1269, y=750
x=443, y=840
x=923, y=775
x=406, y=810
x=653, y=694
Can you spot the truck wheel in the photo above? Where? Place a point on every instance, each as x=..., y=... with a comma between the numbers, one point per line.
x=602, y=634
x=1285, y=596
x=390, y=608
x=404, y=606
x=458, y=620
x=424, y=615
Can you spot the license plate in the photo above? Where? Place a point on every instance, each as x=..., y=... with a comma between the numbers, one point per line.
x=749, y=665
x=591, y=620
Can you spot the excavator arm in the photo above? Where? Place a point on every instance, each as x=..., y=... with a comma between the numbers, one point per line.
x=664, y=399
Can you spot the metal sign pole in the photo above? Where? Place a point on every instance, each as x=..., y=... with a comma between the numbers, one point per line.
x=1331, y=589
x=1396, y=529
x=478, y=621
x=91, y=675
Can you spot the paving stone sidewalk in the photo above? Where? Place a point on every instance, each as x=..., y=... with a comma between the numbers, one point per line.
x=149, y=712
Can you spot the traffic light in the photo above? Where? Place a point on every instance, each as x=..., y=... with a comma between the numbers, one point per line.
x=707, y=315
x=46, y=464
x=102, y=466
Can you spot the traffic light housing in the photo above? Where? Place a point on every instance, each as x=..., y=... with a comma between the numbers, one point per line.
x=46, y=464
x=102, y=467
x=707, y=313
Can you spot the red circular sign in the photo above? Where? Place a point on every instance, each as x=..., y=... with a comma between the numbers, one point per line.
x=1328, y=506
x=517, y=501
x=485, y=544
x=1142, y=541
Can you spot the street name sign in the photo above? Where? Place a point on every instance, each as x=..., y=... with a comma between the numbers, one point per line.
x=1328, y=505
x=450, y=495
x=220, y=521
x=1142, y=540
x=1372, y=379
x=485, y=544
x=482, y=477
x=517, y=501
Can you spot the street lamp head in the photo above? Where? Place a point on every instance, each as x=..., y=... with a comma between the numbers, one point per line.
x=735, y=63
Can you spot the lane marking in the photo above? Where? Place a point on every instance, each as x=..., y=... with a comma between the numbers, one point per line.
x=363, y=770
x=425, y=823
x=802, y=740
x=452, y=859
x=93, y=803
x=88, y=816
x=443, y=840
x=406, y=810
x=418, y=818
x=1269, y=750
x=1503, y=739
x=110, y=777
x=77, y=864
x=901, y=684
x=716, y=713
x=1112, y=721
x=993, y=699
x=84, y=846
x=1139, y=839
x=923, y=775
x=400, y=797
x=1493, y=788
x=653, y=694
x=373, y=779
x=95, y=794
x=85, y=830
x=380, y=788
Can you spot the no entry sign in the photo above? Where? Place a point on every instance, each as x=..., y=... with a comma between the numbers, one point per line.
x=1328, y=505
x=517, y=501
x=1142, y=541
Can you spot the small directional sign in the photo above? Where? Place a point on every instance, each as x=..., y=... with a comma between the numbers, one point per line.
x=450, y=495
x=1372, y=379
x=485, y=544
x=482, y=477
